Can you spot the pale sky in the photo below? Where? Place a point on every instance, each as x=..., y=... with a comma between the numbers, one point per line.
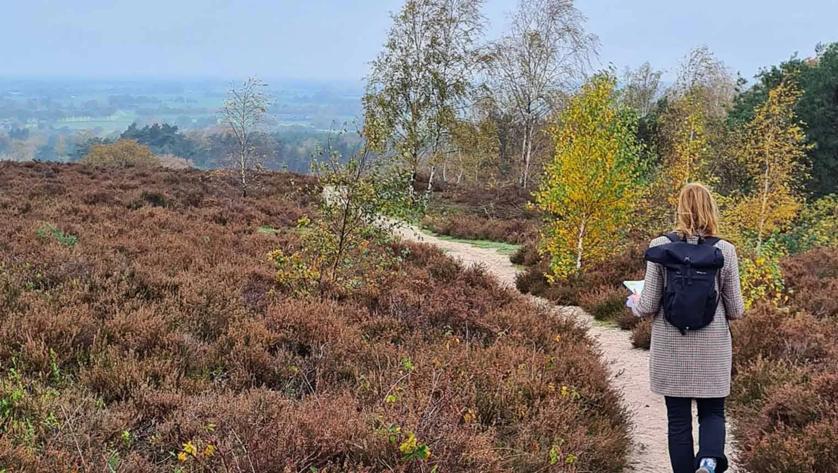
x=335, y=39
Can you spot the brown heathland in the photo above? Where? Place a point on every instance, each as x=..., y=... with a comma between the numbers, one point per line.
x=142, y=327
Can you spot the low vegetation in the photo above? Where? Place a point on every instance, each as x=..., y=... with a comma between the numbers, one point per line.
x=146, y=329
x=494, y=213
x=785, y=355
x=595, y=290
x=121, y=154
x=785, y=389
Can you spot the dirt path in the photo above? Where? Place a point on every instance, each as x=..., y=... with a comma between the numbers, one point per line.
x=629, y=367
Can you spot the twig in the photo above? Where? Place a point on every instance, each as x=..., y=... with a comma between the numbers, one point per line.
x=244, y=448
x=75, y=440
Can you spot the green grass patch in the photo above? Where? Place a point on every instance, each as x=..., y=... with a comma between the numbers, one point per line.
x=48, y=231
x=604, y=324
x=267, y=230
x=503, y=248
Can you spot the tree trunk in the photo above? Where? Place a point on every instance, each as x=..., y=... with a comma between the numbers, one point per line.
x=763, y=207
x=689, y=158
x=431, y=178
x=414, y=171
x=579, y=247
x=529, y=158
x=523, y=179
x=526, y=154
x=243, y=169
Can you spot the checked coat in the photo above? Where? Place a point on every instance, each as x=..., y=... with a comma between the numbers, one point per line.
x=695, y=365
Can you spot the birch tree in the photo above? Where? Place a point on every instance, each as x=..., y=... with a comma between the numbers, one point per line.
x=692, y=124
x=642, y=88
x=686, y=144
x=243, y=115
x=703, y=75
x=772, y=153
x=417, y=85
x=590, y=187
x=546, y=52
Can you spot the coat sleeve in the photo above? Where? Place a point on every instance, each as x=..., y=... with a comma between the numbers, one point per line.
x=650, y=298
x=732, y=288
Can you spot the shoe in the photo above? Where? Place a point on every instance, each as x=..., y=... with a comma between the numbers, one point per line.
x=707, y=466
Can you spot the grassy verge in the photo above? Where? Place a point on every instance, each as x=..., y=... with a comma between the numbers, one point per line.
x=507, y=249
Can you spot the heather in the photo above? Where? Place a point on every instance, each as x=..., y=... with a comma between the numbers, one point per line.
x=145, y=329
x=481, y=211
x=596, y=290
x=783, y=401
x=786, y=372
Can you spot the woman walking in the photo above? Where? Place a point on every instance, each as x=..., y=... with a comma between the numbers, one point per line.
x=690, y=354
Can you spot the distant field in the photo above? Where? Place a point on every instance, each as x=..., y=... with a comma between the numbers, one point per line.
x=111, y=106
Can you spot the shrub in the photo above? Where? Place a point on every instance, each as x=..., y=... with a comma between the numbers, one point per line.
x=477, y=227
x=48, y=231
x=762, y=279
x=641, y=334
x=527, y=255
x=816, y=226
x=628, y=265
x=124, y=153
x=627, y=320
x=534, y=281
x=785, y=358
x=155, y=199
x=163, y=342
x=487, y=212
x=604, y=303
x=812, y=281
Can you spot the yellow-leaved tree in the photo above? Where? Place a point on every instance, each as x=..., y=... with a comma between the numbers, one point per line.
x=685, y=126
x=772, y=152
x=124, y=153
x=685, y=146
x=591, y=186
x=691, y=132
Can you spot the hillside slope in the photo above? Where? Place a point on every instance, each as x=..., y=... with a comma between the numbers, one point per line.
x=143, y=330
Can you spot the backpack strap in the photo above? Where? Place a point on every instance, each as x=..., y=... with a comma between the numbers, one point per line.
x=712, y=242
x=674, y=236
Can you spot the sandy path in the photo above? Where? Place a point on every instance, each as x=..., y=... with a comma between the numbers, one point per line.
x=629, y=367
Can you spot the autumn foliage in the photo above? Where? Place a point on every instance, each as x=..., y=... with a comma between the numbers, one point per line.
x=488, y=211
x=124, y=153
x=590, y=187
x=772, y=152
x=144, y=330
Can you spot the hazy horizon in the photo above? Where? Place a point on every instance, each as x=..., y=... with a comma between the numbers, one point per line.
x=330, y=41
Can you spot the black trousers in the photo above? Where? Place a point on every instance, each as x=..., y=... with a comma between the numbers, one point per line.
x=711, y=433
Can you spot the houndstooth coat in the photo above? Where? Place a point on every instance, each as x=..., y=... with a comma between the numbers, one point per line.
x=695, y=365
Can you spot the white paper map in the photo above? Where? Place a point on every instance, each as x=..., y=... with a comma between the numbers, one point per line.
x=634, y=286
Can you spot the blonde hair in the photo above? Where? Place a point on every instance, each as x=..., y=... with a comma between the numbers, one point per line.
x=698, y=214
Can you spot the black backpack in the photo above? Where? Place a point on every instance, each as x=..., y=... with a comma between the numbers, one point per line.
x=689, y=297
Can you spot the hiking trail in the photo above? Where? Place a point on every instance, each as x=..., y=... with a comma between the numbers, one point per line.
x=628, y=366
